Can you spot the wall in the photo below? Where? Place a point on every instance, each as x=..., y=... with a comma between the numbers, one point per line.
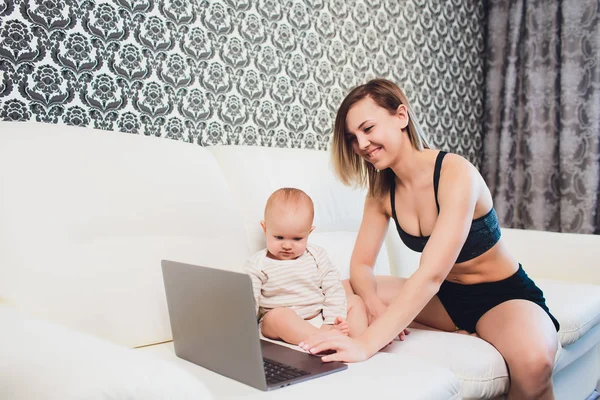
x=257, y=72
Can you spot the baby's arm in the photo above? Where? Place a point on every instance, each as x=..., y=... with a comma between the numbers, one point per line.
x=334, y=305
x=257, y=277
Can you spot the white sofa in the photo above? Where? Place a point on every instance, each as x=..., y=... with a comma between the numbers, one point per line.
x=86, y=216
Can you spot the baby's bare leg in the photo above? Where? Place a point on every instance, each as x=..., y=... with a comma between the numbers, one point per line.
x=358, y=321
x=357, y=316
x=285, y=324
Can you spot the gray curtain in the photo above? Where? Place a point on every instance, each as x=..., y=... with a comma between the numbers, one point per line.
x=542, y=113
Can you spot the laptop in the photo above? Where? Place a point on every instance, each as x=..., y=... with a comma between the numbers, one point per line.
x=214, y=325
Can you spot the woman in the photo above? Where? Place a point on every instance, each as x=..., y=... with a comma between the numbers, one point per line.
x=466, y=280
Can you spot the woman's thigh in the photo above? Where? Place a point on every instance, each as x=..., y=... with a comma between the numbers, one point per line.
x=434, y=314
x=522, y=332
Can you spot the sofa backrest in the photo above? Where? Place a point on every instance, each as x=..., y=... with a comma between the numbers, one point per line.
x=86, y=217
x=253, y=173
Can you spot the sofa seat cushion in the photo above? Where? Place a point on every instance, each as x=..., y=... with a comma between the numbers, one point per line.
x=41, y=360
x=574, y=305
x=384, y=376
x=478, y=366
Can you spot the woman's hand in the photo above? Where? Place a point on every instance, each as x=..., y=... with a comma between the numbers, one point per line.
x=375, y=307
x=346, y=349
x=403, y=334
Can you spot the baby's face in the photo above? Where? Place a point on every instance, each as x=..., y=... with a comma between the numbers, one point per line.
x=287, y=231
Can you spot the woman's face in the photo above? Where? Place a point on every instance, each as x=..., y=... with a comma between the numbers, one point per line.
x=374, y=133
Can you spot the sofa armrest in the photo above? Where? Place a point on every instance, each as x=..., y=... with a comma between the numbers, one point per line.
x=551, y=255
x=41, y=360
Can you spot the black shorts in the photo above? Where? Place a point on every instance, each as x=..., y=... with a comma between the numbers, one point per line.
x=467, y=303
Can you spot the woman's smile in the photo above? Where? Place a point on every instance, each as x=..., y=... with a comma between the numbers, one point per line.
x=372, y=153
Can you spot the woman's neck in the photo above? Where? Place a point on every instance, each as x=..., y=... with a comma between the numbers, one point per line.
x=410, y=165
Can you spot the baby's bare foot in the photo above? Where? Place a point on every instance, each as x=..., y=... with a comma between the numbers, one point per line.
x=341, y=325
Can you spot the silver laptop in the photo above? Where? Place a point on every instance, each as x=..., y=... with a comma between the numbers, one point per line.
x=214, y=325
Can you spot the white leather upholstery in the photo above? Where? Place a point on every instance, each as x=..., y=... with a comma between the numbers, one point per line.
x=559, y=256
x=479, y=367
x=50, y=362
x=88, y=215
x=574, y=305
x=382, y=377
x=339, y=246
x=253, y=173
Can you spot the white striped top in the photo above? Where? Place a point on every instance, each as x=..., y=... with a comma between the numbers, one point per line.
x=309, y=285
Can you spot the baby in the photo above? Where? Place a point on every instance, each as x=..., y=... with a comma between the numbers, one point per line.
x=297, y=290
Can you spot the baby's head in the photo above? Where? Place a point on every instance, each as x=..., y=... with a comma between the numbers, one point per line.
x=288, y=222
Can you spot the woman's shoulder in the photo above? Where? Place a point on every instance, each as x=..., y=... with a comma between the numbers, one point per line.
x=459, y=175
x=378, y=203
x=457, y=166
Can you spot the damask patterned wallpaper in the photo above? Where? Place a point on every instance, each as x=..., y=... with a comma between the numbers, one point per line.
x=257, y=72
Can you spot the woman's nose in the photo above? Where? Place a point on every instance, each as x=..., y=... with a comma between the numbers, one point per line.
x=362, y=141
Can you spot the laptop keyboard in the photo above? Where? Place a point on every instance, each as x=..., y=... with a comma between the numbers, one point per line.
x=277, y=372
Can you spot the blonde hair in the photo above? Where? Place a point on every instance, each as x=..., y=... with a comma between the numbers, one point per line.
x=290, y=196
x=350, y=168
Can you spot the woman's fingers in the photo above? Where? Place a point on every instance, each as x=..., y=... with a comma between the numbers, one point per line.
x=403, y=334
x=338, y=356
x=325, y=345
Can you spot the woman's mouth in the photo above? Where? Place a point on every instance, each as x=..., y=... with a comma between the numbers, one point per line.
x=372, y=153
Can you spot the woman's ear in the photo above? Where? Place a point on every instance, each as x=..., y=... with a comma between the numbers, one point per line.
x=402, y=114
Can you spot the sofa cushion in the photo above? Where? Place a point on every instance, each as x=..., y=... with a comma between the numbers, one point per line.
x=41, y=360
x=253, y=173
x=339, y=247
x=87, y=216
x=555, y=255
x=575, y=305
x=478, y=366
x=384, y=377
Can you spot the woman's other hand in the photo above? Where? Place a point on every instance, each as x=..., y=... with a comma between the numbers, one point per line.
x=375, y=307
x=403, y=334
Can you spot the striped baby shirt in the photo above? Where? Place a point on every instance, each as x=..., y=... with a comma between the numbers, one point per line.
x=309, y=285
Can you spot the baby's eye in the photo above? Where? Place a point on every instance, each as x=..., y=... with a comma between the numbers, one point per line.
x=279, y=237
x=298, y=239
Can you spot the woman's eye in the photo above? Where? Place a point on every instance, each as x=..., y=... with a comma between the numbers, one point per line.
x=368, y=129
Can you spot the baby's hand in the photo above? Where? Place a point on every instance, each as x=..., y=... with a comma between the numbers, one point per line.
x=340, y=325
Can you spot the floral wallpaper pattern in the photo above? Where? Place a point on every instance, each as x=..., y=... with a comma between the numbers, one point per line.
x=256, y=72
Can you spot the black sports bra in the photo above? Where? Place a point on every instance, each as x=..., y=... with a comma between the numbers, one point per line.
x=484, y=233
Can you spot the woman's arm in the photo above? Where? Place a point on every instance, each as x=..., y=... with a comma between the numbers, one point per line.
x=457, y=195
x=370, y=238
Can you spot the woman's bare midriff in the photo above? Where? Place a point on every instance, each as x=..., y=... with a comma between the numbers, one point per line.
x=493, y=265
